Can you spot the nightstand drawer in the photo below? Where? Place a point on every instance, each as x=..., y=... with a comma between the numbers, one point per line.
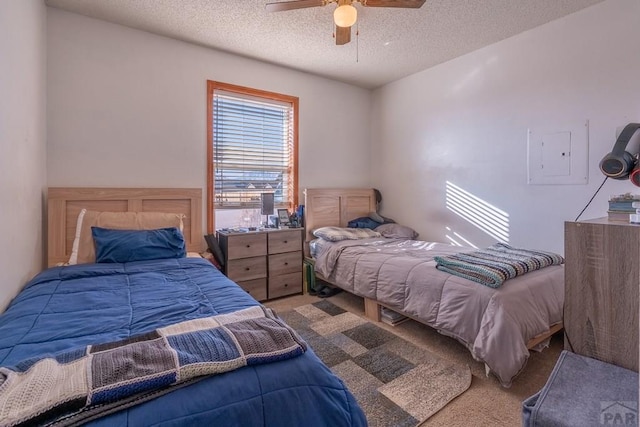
x=285, y=284
x=246, y=245
x=247, y=268
x=285, y=241
x=257, y=288
x=289, y=262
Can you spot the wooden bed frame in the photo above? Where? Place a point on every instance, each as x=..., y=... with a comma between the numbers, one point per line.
x=336, y=207
x=64, y=204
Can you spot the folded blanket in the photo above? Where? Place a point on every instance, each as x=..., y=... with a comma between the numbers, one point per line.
x=495, y=264
x=73, y=386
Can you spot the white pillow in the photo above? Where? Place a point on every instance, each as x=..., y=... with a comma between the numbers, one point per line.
x=73, y=260
x=336, y=234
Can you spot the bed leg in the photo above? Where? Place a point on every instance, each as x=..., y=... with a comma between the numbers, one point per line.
x=533, y=342
x=371, y=310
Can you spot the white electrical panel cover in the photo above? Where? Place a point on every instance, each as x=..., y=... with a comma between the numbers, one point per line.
x=558, y=156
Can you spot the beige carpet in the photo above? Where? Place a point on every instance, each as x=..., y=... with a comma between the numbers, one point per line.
x=485, y=403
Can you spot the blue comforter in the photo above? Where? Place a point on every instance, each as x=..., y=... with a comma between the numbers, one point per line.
x=70, y=307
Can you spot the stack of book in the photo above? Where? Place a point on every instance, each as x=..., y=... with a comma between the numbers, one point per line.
x=635, y=219
x=620, y=207
x=391, y=317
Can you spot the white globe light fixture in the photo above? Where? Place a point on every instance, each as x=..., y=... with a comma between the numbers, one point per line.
x=345, y=15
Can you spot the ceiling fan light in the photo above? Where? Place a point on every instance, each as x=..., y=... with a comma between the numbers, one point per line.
x=345, y=15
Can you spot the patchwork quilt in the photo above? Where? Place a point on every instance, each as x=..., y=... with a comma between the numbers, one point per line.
x=79, y=384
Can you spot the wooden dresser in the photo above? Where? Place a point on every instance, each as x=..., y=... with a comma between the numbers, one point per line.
x=267, y=264
x=602, y=282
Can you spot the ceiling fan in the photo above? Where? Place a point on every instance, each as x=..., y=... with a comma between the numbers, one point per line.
x=345, y=14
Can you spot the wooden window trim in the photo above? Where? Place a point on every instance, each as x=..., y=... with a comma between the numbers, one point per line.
x=212, y=86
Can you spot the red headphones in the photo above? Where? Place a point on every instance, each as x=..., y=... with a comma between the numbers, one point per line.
x=634, y=176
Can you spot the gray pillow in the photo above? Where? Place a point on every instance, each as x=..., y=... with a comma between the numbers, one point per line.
x=397, y=231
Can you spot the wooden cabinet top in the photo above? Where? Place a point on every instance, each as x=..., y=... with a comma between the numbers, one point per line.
x=265, y=230
x=604, y=221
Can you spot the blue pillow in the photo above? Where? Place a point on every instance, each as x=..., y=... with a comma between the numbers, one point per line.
x=363, y=222
x=137, y=245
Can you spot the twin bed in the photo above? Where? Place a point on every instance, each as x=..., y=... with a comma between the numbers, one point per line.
x=498, y=326
x=71, y=307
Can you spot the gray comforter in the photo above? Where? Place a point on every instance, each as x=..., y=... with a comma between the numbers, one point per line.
x=494, y=324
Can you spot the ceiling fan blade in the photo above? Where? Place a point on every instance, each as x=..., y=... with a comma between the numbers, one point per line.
x=413, y=4
x=343, y=35
x=296, y=4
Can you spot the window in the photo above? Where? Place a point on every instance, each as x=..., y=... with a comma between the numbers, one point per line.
x=252, y=148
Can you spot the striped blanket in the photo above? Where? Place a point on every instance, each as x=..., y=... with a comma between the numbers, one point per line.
x=75, y=386
x=495, y=264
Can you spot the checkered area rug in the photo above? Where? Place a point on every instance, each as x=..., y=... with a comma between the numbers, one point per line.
x=396, y=383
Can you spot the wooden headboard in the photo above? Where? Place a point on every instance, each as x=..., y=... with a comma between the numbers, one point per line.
x=335, y=207
x=64, y=204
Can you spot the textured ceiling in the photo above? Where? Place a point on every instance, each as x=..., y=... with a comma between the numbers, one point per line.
x=392, y=43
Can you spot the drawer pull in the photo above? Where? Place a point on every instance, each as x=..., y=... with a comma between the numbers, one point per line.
x=247, y=268
x=286, y=241
x=286, y=284
x=286, y=263
x=248, y=246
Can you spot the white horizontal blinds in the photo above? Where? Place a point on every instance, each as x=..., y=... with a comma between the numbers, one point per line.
x=252, y=150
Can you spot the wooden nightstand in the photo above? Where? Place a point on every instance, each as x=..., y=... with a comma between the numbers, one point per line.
x=267, y=264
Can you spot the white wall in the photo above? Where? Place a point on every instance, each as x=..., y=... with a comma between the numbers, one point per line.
x=466, y=122
x=22, y=142
x=128, y=108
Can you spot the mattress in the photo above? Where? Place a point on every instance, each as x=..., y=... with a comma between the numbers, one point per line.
x=69, y=307
x=494, y=324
